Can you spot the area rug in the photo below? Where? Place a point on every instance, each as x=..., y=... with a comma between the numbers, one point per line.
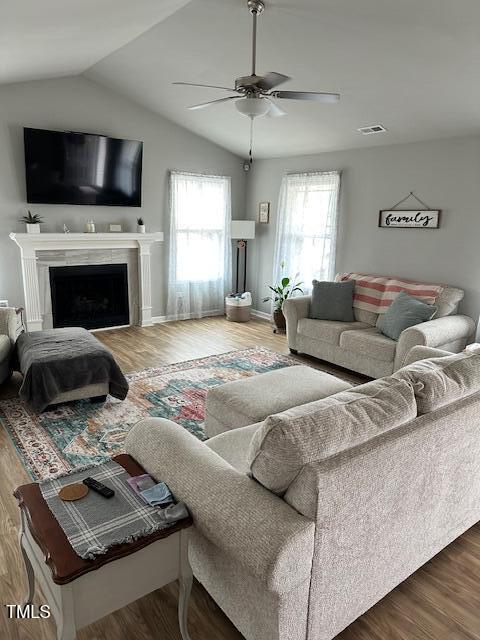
x=82, y=433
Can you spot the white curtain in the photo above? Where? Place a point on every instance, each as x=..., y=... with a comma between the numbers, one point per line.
x=307, y=220
x=200, y=245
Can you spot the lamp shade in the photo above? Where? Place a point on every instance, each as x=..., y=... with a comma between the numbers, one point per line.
x=242, y=229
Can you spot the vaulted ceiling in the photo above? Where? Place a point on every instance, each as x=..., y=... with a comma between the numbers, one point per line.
x=411, y=65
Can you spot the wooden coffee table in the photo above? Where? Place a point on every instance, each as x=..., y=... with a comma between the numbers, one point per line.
x=79, y=591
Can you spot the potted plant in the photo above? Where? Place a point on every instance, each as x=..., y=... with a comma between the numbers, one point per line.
x=32, y=222
x=281, y=292
x=140, y=225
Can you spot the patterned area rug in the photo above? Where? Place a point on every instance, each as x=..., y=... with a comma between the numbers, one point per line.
x=81, y=433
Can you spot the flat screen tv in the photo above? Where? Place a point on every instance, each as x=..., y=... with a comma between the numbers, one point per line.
x=82, y=168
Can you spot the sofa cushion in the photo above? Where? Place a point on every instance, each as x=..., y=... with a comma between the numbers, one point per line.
x=288, y=441
x=404, y=312
x=327, y=330
x=5, y=347
x=369, y=342
x=448, y=301
x=440, y=381
x=361, y=315
x=332, y=301
x=250, y=400
x=233, y=445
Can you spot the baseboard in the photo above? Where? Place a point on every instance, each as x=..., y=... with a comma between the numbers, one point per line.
x=261, y=314
x=187, y=316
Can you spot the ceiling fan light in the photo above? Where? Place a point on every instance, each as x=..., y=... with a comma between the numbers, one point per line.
x=253, y=107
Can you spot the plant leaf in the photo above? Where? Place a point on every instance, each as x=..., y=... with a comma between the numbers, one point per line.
x=285, y=282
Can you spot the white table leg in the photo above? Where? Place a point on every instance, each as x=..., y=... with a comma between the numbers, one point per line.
x=28, y=565
x=66, y=623
x=185, y=583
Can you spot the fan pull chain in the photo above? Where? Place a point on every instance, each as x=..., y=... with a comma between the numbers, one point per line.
x=250, y=153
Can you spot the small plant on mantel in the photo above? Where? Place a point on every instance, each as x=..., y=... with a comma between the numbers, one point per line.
x=282, y=292
x=140, y=225
x=32, y=222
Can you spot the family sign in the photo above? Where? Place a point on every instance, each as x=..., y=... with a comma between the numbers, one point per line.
x=409, y=219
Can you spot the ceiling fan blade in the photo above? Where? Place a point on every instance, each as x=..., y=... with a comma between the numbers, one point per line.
x=307, y=95
x=208, y=86
x=272, y=79
x=207, y=104
x=275, y=111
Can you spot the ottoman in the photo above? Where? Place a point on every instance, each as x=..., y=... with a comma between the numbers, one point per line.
x=250, y=400
x=60, y=365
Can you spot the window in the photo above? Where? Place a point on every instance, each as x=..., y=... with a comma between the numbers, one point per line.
x=199, y=264
x=307, y=226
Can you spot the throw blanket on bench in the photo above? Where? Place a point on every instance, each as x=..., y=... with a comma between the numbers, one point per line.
x=61, y=360
x=376, y=293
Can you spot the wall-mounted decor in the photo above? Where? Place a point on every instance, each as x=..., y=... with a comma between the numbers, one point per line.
x=395, y=218
x=409, y=219
x=264, y=212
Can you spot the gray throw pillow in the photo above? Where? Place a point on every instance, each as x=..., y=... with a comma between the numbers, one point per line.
x=405, y=311
x=332, y=301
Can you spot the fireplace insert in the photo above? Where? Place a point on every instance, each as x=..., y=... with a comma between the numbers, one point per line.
x=92, y=296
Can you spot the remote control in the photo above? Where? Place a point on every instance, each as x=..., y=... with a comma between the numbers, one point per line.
x=100, y=488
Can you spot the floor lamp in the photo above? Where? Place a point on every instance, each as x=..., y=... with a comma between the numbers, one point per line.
x=241, y=231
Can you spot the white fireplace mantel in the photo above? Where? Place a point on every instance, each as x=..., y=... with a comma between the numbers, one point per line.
x=31, y=243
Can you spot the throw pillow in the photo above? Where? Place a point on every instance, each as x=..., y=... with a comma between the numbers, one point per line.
x=405, y=311
x=332, y=301
x=310, y=433
x=440, y=381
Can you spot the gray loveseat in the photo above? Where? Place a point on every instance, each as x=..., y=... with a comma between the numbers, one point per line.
x=305, y=520
x=360, y=346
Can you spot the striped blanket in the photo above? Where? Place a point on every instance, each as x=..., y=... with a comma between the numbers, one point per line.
x=376, y=293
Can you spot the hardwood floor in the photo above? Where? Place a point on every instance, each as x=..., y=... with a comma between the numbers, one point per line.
x=441, y=601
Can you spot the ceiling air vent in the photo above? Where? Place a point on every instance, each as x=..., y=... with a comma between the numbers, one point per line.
x=374, y=128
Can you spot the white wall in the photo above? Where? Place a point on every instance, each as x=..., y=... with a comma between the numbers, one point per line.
x=444, y=173
x=82, y=105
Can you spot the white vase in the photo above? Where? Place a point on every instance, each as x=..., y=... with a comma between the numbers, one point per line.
x=140, y=228
x=32, y=228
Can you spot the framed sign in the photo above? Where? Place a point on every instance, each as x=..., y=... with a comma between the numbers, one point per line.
x=264, y=212
x=409, y=219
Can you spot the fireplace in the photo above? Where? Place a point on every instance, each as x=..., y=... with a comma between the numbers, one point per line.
x=92, y=296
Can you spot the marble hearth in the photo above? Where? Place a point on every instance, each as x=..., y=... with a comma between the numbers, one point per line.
x=41, y=251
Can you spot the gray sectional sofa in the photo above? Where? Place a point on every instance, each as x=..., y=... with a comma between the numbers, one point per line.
x=308, y=517
x=361, y=347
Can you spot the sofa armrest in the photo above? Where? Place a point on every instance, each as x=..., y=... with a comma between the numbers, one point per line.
x=242, y=518
x=434, y=333
x=294, y=309
x=424, y=353
x=8, y=323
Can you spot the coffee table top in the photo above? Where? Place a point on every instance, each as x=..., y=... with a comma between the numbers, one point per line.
x=64, y=563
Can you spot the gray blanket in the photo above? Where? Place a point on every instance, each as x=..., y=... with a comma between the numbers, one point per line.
x=61, y=360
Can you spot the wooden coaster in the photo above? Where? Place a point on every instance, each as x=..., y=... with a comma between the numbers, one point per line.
x=73, y=492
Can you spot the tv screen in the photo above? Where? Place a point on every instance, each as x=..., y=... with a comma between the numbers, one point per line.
x=82, y=168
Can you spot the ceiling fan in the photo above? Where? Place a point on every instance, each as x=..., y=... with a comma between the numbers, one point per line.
x=257, y=91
